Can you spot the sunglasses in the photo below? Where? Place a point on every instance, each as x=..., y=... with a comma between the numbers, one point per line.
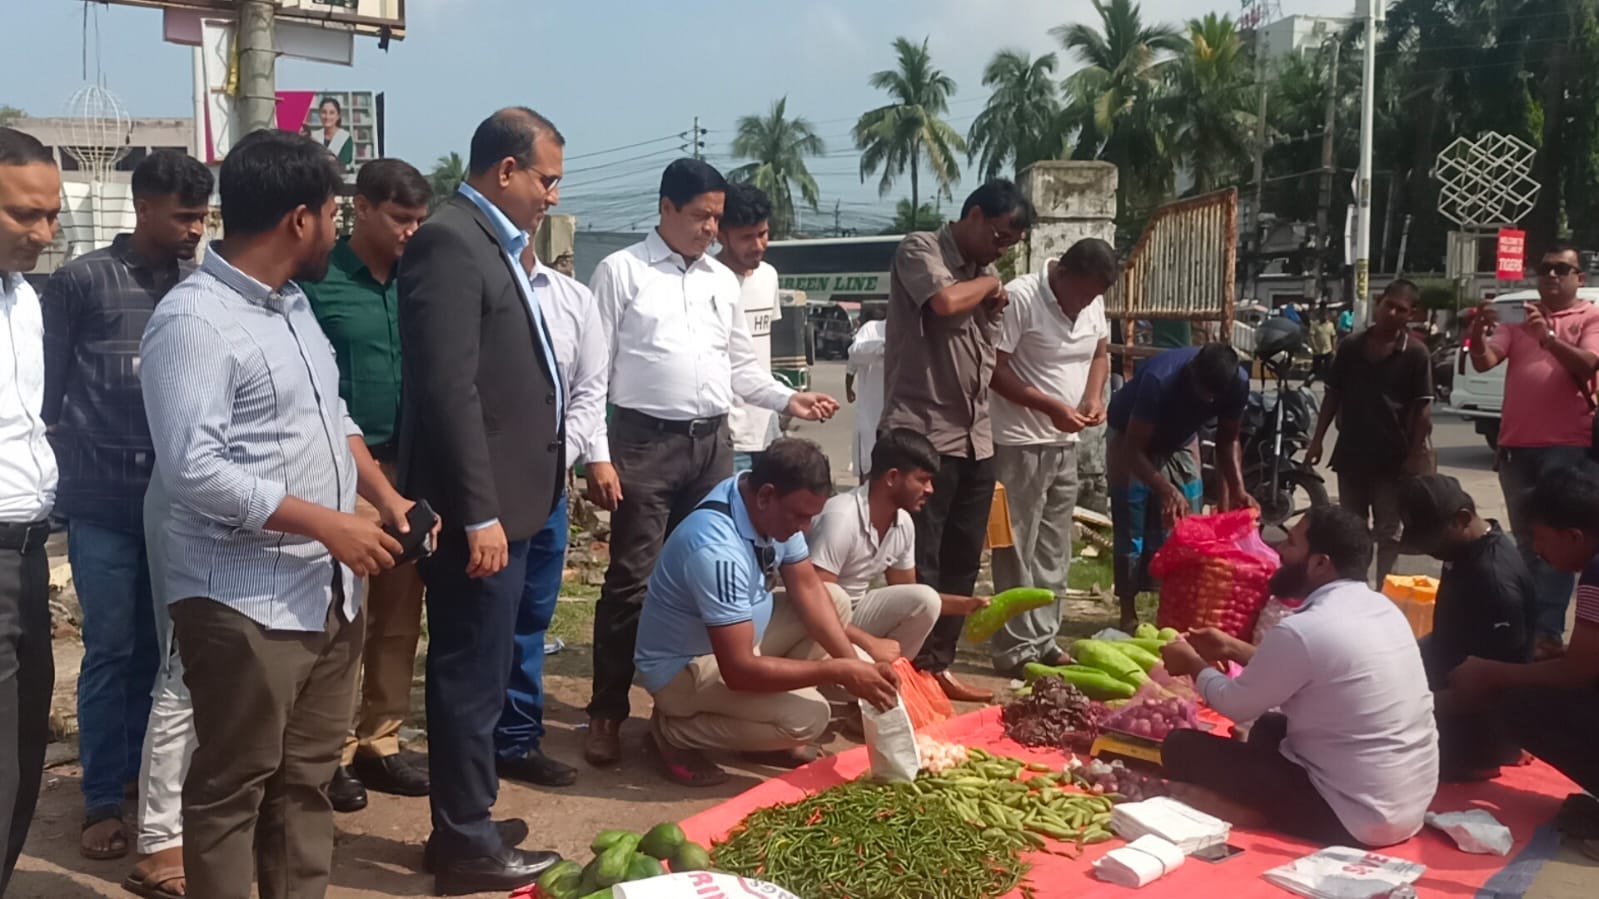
x=1557, y=269
x=766, y=557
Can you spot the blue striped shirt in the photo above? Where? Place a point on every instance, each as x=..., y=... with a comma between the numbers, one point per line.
x=242, y=391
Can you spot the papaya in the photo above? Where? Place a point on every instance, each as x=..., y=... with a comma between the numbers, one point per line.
x=690, y=857
x=589, y=881
x=662, y=841
x=643, y=867
x=613, y=862
x=606, y=893
x=605, y=839
x=551, y=881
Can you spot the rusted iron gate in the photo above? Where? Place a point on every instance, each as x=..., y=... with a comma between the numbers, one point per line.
x=1183, y=267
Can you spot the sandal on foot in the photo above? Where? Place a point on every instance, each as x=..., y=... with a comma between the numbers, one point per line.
x=116, y=846
x=785, y=758
x=154, y=884
x=686, y=767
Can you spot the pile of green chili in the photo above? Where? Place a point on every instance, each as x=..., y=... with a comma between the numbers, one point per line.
x=863, y=840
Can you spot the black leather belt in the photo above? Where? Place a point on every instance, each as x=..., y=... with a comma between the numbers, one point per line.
x=23, y=537
x=690, y=427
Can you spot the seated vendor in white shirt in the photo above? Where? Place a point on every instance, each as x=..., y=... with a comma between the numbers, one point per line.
x=1353, y=757
x=868, y=532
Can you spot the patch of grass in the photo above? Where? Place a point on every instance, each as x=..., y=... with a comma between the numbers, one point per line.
x=1091, y=573
x=574, y=614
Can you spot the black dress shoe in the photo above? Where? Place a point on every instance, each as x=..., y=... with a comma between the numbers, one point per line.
x=504, y=871
x=345, y=791
x=512, y=832
x=391, y=774
x=537, y=768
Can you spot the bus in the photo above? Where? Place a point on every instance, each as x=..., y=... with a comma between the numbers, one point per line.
x=838, y=276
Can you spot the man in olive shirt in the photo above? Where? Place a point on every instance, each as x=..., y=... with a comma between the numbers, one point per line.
x=945, y=300
x=357, y=306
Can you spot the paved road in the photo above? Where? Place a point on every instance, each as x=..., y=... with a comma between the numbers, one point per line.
x=1461, y=452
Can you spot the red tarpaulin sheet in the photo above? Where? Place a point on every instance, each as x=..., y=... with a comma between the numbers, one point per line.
x=1523, y=798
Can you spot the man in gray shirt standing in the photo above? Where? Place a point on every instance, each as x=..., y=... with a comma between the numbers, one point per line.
x=265, y=552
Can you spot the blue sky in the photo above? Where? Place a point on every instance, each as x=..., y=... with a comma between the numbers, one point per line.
x=609, y=73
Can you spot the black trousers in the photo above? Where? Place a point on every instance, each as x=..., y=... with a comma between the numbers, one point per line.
x=950, y=531
x=664, y=476
x=1255, y=774
x=471, y=638
x=27, y=677
x=1560, y=727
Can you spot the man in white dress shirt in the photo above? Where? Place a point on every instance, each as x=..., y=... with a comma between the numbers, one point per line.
x=863, y=385
x=1352, y=759
x=30, y=202
x=1049, y=384
x=680, y=354
x=744, y=233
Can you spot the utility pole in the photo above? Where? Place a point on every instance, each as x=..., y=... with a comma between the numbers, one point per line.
x=691, y=140
x=258, y=95
x=837, y=231
x=1328, y=164
x=1255, y=242
x=1368, y=102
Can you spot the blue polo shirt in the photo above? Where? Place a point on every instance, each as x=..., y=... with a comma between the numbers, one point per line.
x=1160, y=393
x=709, y=575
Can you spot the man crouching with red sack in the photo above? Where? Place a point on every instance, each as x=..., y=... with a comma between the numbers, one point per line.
x=1352, y=759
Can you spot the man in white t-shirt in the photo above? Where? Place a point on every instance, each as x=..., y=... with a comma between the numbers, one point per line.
x=868, y=533
x=743, y=234
x=1049, y=384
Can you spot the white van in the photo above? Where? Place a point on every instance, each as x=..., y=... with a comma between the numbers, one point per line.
x=1480, y=395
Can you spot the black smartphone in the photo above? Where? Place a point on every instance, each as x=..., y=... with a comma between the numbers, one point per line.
x=418, y=542
x=1217, y=853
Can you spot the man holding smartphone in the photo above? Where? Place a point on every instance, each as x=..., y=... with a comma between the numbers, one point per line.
x=1547, y=424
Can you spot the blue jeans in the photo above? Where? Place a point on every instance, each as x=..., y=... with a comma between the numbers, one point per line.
x=521, y=724
x=120, y=656
x=1519, y=472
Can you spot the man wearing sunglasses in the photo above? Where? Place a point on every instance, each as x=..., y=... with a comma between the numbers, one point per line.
x=945, y=304
x=1547, y=424
x=730, y=667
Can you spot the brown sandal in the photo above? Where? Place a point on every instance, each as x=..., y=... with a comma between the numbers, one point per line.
x=116, y=847
x=153, y=884
x=786, y=758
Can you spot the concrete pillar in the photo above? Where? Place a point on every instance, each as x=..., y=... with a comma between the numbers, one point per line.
x=1074, y=200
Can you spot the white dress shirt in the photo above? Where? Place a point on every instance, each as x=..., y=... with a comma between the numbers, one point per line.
x=27, y=463
x=679, y=348
x=1347, y=674
x=866, y=364
x=583, y=355
x=1047, y=351
x=755, y=428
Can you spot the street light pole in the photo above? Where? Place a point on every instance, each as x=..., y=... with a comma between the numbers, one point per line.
x=1368, y=102
x=257, y=98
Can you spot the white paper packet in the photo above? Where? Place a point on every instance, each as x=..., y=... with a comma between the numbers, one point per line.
x=700, y=885
x=891, y=743
x=1339, y=872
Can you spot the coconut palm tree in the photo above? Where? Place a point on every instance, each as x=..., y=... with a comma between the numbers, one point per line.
x=907, y=218
x=446, y=177
x=1211, y=102
x=1021, y=123
x=899, y=136
x=1112, y=102
x=778, y=146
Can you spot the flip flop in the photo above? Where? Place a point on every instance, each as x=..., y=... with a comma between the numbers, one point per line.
x=686, y=767
x=786, y=758
x=153, y=884
x=118, y=844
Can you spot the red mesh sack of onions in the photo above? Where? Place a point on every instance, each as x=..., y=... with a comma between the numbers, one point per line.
x=1154, y=712
x=1213, y=572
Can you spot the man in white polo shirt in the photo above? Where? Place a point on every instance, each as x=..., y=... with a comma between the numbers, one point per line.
x=867, y=533
x=1049, y=384
x=1352, y=759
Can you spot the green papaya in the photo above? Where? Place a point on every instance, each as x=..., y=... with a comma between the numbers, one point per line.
x=566, y=869
x=1106, y=657
x=589, y=881
x=613, y=862
x=606, y=893
x=662, y=841
x=690, y=857
x=986, y=622
x=605, y=839
x=643, y=867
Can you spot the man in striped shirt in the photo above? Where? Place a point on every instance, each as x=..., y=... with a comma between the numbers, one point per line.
x=1552, y=707
x=265, y=552
x=95, y=310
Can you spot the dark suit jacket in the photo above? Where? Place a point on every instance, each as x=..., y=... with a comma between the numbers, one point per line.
x=479, y=435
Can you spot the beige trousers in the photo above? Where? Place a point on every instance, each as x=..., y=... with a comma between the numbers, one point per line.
x=699, y=711
x=905, y=614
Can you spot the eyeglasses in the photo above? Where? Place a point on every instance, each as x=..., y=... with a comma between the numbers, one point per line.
x=1557, y=269
x=549, y=181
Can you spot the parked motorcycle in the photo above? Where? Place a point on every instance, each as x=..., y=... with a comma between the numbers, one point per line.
x=1275, y=432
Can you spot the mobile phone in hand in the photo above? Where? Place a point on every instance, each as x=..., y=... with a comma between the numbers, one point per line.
x=418, y=542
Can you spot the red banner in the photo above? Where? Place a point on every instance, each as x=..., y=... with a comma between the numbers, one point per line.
x=1512, y=254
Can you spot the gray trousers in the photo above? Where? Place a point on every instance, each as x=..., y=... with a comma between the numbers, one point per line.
x=1041, y=487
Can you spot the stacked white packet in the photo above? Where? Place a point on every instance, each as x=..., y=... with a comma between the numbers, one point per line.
x=1143, y=861
x=1185, y=827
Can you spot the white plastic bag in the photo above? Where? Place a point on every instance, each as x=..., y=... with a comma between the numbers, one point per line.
x=1139, y=863
x=1475, y=830
x=891, y=743
x=700, y=885
x=1339, y=872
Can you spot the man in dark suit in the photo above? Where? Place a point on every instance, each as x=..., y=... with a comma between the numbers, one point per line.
x=481, y=440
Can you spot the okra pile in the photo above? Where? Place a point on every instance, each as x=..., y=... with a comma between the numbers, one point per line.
x=959, y=834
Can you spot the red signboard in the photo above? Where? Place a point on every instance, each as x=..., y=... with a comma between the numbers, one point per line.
x=1512, y=254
